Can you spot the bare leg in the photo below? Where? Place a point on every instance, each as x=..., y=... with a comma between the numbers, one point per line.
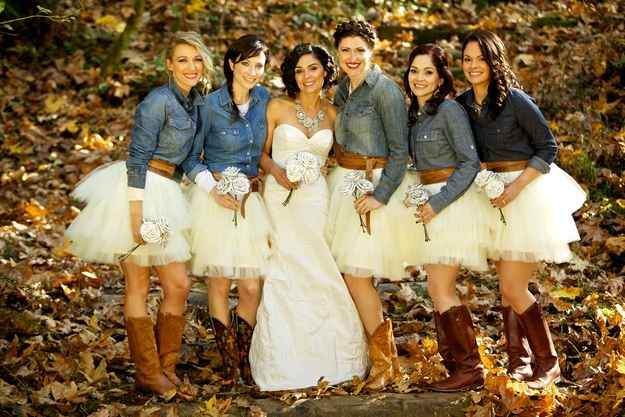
x=367, y=301
x=218, y=307
x=442, y=286
x=137, y=280
x=249, y=299
x=176, y=286
x=513, y=282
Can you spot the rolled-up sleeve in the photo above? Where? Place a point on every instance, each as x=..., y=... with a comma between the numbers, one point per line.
x=192, y=164
x=392, y=110
x=460, y=137
x=532, y=121
x=149, y=120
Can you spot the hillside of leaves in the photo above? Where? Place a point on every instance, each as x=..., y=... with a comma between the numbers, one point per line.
x=63, y=348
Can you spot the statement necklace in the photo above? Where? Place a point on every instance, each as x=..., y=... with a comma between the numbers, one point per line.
x=310, y=123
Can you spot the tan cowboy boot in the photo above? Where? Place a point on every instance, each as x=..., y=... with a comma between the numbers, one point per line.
x=169, y=330
x=383, y=356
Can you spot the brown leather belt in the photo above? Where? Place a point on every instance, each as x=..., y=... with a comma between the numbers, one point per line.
x=360, y=162
x=433, y=176
x=505, y=166
x=357, y=161
x=256, y=185
x=162, y=168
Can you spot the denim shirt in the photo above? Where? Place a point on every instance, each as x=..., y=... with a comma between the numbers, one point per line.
x=226, y=141
x=519, y=132
x=445, y=140
x=372, y=121
x=165, y=124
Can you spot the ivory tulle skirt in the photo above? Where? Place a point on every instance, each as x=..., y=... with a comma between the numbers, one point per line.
x=539, y=220
x=221, y=249
x=358, y=253
x=102, y=233
x=458, y=234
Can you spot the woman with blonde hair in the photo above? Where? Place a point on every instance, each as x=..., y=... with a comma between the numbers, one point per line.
x=136, y=213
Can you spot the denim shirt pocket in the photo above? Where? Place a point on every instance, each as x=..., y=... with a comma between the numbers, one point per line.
x=229, y=138
x=431, y=144
x=505, y=128
x=178, y=130
x=363, y=120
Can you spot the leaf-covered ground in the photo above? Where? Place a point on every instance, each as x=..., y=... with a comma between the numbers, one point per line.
x=63, y=348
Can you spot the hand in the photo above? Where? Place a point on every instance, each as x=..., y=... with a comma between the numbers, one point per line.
x=425, y=213
x=280, y=175
x=366, y=203
x=510, y=192
x=136, y=218
x=226, y=200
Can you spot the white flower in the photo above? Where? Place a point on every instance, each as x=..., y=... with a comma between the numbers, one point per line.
x=416, y=196
x=494, y=189
x=240, y=186
x=233, y=182
x=230, y=172
x=364, y=186
x=155, y=230
x=483, y=177
x=224, y=186
x=355, y=183
x=302, y=166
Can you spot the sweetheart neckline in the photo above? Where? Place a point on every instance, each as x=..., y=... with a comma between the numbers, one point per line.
x=308, y=138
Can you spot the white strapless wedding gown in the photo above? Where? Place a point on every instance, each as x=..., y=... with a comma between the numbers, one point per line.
x=307, y=324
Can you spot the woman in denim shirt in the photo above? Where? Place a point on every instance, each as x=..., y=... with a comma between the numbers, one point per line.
x=120, y=195
x=232, y=134
x=443, y=151
x=513, y=139
x=371, y=137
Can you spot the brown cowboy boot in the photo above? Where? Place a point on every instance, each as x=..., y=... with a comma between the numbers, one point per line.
x=383, y=356
x=443, y=345
x=458, y=326
x=546, y=367
x=519, y=356
x=169, y=330
x=142, y=347
x=244, y=341
x=226, y=340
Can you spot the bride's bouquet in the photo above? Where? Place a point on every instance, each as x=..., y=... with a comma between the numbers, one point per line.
x=417, y=196
x=491, y=184
x=356, y=184
x=155, y=230
x=301, y=167
x=235, y=183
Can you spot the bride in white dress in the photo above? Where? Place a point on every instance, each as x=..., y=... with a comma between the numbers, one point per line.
x=307, y=324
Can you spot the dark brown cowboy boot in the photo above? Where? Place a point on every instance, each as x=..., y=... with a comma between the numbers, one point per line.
x=383, y=357
x=443, y=345
x=546, y=367
x=226, y=340
x=517, y=346
x=458, y=326
x=142, y=347
x=169, y=330
x=244, y=341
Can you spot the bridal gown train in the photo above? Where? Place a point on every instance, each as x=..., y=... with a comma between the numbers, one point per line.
x=307, y=324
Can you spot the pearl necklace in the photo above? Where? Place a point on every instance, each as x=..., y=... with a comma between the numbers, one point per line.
x=310, y=123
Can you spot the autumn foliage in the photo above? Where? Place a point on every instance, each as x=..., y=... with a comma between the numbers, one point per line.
x=63, y=347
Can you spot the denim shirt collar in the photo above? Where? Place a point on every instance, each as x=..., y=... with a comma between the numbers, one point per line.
x=373, y=75
x=193, y=99
x=470, y=101
x=226, y=102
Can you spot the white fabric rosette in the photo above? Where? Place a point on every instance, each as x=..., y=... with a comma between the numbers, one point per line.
x=301, y=167
x=155, y=231
x=491, y=184
x=356, y=184
x=417, y=196
x=235, y=183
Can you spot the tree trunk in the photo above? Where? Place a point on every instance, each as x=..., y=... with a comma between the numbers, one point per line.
x=121, y=43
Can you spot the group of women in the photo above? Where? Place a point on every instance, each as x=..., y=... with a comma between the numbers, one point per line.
x=305, y=265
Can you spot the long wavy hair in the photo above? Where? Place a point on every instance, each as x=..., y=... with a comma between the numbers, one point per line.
x=194, y=39
x=441, y=63
x=245, y=47
x=502, y=79
x=290, y=62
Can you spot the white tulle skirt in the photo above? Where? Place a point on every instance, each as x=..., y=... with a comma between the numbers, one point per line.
x=539, y=220
x=358, y=253
x=221, y=249
x=458, y=234
x=102, y=233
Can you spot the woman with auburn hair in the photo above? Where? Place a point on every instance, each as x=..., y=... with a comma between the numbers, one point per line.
x=443, y=151
x=230, y=233
x=363, y=231
x=308, y=327
x=124, y=199
x=513, y=140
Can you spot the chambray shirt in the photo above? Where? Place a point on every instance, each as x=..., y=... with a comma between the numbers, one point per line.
x=372, y=121
x=519, y=132
x=165, y=124
x=445, y=140
x=229, y=140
